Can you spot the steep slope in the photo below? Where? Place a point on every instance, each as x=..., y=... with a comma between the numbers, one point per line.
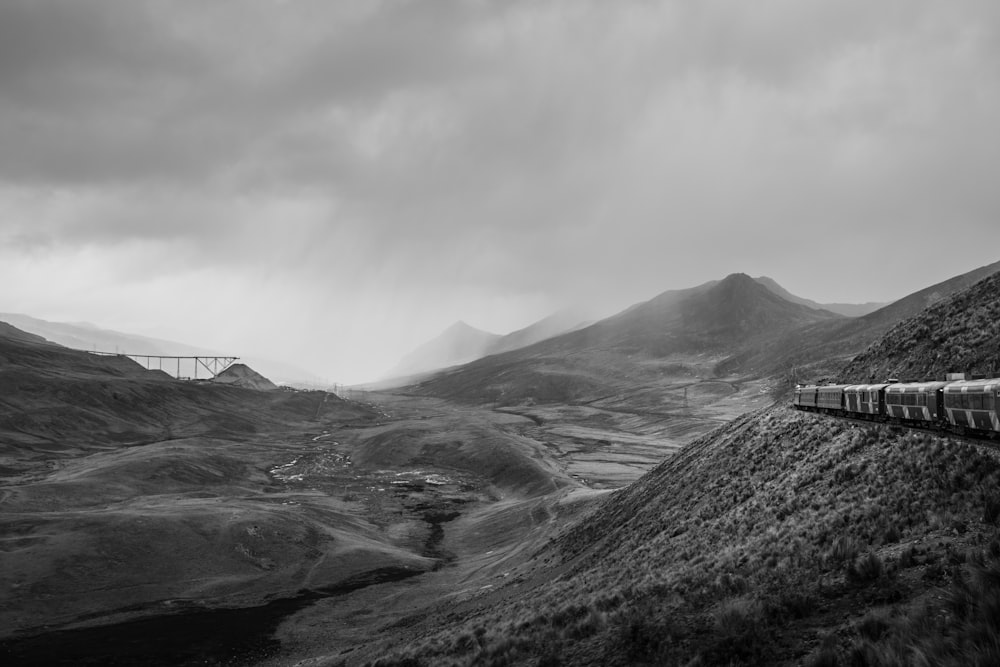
x=780, y=538
x=818, y=351
x=12, y=333
x=960, y=333
x=914, y=303
x=458, y=344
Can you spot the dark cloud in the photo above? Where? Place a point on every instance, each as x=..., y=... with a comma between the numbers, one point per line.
x=119, y=91
x=535, y=152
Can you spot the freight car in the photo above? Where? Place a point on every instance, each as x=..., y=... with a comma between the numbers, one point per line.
x=965, y=407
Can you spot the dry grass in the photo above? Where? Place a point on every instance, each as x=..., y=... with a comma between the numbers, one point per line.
x=750, y=545
x=959, y=333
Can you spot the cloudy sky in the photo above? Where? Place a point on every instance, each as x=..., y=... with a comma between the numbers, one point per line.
x=333, y=183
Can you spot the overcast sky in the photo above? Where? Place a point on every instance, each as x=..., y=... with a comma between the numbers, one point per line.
x=333, y=183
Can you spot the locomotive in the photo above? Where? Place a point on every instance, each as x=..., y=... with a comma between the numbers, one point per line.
x=964, y=407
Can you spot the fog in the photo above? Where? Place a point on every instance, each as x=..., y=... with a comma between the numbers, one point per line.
x=333, y=184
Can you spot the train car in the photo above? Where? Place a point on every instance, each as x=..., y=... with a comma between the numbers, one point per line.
x=915, y=401
x=830, y=398
x=865, y=399
x=973, y=404
x=805, y=397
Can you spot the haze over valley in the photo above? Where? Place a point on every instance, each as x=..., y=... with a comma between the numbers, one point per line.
x=144, y=516
x=357, y=334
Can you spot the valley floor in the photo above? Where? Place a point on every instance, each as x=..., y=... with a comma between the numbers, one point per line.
x=358, y=526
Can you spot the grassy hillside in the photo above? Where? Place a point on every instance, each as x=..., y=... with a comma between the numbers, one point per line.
x=960, y=333
x=130, y=496
x=121, y=488
x=819, y=351
x=54, y=398
x=780, y=538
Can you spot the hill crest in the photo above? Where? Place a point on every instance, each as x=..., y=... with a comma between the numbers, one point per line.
x=957, y=333
x=241, y=375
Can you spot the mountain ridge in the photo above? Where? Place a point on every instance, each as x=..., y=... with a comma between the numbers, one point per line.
x=845, y=309
x=630, y=347
x=781, y=537
x=458, y=344
x=956, y=333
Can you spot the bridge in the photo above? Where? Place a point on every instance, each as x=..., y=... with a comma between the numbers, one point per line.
x=174, y=365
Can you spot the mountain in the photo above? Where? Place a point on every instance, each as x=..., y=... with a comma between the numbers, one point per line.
x=819, y=351
x=90, y=337
x=737, y=308
x=910, y=305
x=845, y=309
x=958, y=333
x=710, y=317
x=734, y=307
x=461, y=343
x=779, y=538
x=636, y=348
x=458, y=344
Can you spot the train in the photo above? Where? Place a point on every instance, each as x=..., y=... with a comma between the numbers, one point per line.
x=963, y=407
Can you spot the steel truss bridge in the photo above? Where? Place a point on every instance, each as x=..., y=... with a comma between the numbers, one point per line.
x=173, y=365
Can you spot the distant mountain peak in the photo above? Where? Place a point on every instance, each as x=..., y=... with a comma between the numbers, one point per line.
x=458, y=344
x=738, y=306
x=738, y=281
x=461, y=326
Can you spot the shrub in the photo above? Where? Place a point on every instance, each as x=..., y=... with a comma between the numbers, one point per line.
x=844, y=549
x=873, y=626
x=645, y=633
x=865, y=569
x=934, y=572
x=991, y=510
x=791, y=604
x=826, y=655
x=866, y=654
x=741, y=634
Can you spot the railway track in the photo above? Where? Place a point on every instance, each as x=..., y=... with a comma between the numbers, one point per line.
x=979, y=438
